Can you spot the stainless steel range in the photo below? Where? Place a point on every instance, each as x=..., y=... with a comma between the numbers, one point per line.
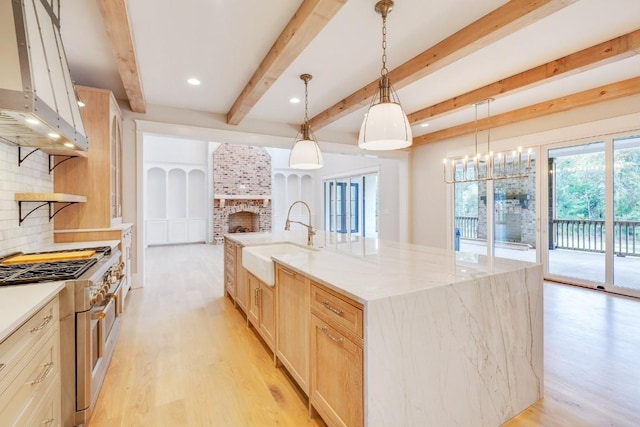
x=90, y=306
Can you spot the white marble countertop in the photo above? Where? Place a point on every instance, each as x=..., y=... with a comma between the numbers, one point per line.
x=371, y=269
x=18, y=303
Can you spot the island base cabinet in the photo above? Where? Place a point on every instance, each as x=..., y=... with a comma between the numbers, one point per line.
x=293, y=324
x=267, y=315
x=336, y=376
x=261, y=309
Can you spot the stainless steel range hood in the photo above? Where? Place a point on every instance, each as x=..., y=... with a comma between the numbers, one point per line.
x=38, y=104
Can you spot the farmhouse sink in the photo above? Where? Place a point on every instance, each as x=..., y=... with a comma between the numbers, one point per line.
x=257, y=259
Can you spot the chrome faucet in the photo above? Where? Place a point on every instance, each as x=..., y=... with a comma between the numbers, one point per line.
x=310, y=231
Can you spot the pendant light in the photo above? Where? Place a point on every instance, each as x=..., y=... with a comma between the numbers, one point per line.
x=385, y=126
x=305, y=153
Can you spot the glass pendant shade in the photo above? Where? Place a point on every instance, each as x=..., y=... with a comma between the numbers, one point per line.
x=305, y=154
x=385, y=127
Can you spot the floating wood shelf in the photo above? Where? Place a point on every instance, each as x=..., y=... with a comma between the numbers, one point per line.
x=46, y=199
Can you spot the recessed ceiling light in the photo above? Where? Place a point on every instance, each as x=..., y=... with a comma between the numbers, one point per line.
x=33, y=121
x=53, y=135
x=69, y=145
x=424, y=125
x=81, y=104
x=193, y=81
x=294, y=100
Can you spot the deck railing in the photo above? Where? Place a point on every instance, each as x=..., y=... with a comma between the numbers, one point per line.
x=468, y=226
x=589, y=235
x=574, y=234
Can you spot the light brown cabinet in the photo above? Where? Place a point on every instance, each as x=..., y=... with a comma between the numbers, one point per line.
x=292, y=324
x=242, y=287
x=261, y=313
x=336, y=379
x=230, y=266
x=99, y=175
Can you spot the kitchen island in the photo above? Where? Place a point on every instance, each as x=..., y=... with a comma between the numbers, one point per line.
x=449, y=338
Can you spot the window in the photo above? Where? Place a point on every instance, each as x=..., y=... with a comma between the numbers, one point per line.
x=351, y=205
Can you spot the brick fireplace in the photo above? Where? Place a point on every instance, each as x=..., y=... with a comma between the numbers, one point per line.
x=242, y=190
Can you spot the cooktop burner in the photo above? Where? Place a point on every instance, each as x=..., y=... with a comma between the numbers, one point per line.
x=16, y=274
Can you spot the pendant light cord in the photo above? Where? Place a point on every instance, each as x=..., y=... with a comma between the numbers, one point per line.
x=306, y=101
x=384, y=71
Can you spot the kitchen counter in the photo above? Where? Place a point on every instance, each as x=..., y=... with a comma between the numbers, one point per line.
x=450, y=338
x=19, y=303
x=378, y=269
x=80, y=245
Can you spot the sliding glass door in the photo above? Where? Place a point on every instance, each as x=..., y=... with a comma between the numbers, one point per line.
x=592, y=229
x=626, y=216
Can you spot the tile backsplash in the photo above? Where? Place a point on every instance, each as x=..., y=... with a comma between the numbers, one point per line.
x=31, y=177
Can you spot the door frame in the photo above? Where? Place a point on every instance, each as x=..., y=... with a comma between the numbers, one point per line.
x=543, y=238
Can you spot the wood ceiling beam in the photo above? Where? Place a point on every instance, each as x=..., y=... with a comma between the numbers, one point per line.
x=505, y=20
x=310, y=18
x=581, y=99
x=610, y=51
x=116, y=21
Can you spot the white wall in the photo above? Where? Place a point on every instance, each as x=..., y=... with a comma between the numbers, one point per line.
x=432, y=198
x=32, y=177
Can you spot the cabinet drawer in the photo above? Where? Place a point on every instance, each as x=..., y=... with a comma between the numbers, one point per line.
x=336, y=310
x=47, y=412
x=24, y=340
x=30, y=385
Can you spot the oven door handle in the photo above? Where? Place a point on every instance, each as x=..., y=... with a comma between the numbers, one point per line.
x=100, y=329
x=102, y=333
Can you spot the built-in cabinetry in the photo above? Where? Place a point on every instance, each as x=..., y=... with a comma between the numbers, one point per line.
x=98, y=176
x=336, y=379
x=30, y=391
x=262, y=313
x=316, y=334
x=292, y=324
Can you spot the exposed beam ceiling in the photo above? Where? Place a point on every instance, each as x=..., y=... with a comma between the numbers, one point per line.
x=497, y=24
x=116, y=21
x=615, y=49
x=582, y=99
x=306, y=23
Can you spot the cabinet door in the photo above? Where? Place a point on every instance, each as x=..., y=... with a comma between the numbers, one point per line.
x=336, y=376
x=253, y=312
x=116, y=165
x=267, y=315
x=293, y=298
x=242, y=287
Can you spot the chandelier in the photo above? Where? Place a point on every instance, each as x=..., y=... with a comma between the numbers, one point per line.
x=385, y=126
x=487, y=166
x=305, y=153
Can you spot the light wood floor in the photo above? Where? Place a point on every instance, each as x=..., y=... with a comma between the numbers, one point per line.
x=186, y=358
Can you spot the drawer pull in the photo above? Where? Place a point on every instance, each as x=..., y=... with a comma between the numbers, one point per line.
x=48, y=422
x=45, y=374
x=46, y=321
x=326, y=332
x=332, y=308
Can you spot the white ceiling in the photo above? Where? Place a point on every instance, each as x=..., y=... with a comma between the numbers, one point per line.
x=221, y=42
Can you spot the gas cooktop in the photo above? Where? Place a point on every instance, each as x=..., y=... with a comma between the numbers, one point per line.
x=16, y=274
